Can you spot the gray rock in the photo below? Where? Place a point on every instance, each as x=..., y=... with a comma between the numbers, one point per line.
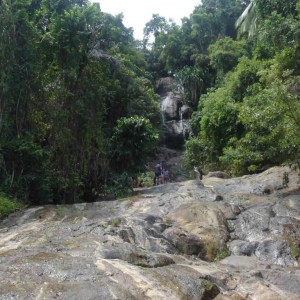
x=256, y=273
x=186, y=112
x=253, y=224
x=176, y=133
x=218, y=174
x=238, y=247
x=287, y=281
x=165, y=85
x=160, y=244
x=175, y=115
x=245, y=263
x=275, y=252
x=170, y=106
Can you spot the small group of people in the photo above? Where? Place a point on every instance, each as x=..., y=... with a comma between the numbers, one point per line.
x=161, y=175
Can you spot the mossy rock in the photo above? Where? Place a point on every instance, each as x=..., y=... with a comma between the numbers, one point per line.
x=221, y=254
x=211, y=290
x=148, y=260
x=190, y=245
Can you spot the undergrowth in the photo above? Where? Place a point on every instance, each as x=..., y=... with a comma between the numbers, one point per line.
x=8, y=205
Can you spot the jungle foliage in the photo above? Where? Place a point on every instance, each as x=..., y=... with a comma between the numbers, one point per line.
x=68, y=73
x=250, y=119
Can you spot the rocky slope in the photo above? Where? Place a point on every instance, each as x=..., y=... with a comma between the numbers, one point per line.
x=161, y=244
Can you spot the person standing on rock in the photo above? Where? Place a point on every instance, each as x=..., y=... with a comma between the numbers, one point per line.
x=157, y=173
x=166, y=177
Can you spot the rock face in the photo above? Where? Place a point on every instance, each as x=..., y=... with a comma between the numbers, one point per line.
x=162, y=243
x=176, y=133
x=175, y=113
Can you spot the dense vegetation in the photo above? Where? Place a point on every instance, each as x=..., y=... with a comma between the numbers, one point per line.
x=79, y=116
x=68, y=73
x=250, y=119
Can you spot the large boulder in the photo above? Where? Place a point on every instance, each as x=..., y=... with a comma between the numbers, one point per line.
x=176, y=133
x=165, y=85
x=205, y=223
x=175, y=113
x=170, y=106
x=275, y=252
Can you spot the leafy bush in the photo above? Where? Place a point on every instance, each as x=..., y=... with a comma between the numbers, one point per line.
x=222, y=253
x=116, y=223
x=197, y=153
x=224, y=54
x=119, y=186
x=146, y=179
x=8, y=206
x=26, y=171
x=133, y=141
x=271, y=120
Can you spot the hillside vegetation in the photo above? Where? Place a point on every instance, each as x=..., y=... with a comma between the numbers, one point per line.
x=250, y=118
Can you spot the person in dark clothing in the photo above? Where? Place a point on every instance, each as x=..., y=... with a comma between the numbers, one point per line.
x=157, y=174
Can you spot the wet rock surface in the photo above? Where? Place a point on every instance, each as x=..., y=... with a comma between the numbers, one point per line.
x=175, y=113
x=165, y=242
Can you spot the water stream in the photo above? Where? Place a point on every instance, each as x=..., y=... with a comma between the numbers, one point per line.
x=181, y=124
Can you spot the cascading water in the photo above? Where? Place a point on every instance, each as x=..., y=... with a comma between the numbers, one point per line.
x=181, y=124
x=175, y=127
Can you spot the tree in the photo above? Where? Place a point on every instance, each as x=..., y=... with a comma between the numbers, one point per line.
x=265, y=8
x=68, y=73
x=154, y=42
x=23, y=163
x=197, y=153
x=224, y=55
x=155, y=27
x=219, y=121
x=275, y=33
x=215, y=19
x=132, y=142
x=271, y=117
x=192, y=79
x=219, y=109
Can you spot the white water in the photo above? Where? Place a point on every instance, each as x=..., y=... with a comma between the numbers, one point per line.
x=181, y=124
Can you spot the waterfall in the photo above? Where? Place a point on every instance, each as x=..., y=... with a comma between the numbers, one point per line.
x=182, y=125
x=175, y=129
